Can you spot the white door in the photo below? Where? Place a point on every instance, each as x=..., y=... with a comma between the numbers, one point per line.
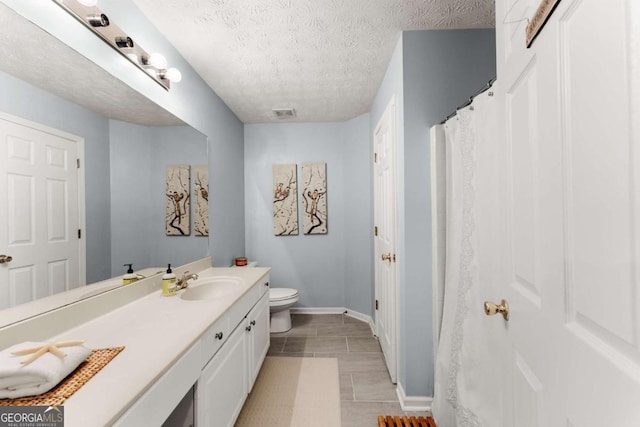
x=384, y=141
x=39, y=213
x=571, y=205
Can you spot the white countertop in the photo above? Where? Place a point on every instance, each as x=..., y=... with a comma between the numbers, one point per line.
x=155, y=332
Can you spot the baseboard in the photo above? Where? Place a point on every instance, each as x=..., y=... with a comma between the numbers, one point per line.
x=336, y=310
x=413, y=403
x=317, y=310
x=362, y=317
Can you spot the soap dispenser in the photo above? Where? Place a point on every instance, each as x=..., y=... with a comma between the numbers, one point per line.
x=130, y=277
x=169, y=283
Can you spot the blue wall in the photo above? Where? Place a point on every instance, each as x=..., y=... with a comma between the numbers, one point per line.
x=139, y=156
x=430, y=74
x=332, y=270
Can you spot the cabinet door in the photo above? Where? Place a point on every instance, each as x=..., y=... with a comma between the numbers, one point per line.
x=258, y=321
x=222, y=388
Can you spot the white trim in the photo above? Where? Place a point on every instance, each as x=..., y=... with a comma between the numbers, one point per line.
x=317, y=310
x=336, y=310
x=413, y=403
x=364, y=318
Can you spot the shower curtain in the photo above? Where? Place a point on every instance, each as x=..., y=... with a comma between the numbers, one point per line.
x=462, y=372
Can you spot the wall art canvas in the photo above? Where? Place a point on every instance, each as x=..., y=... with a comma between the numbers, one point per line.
x=178, y=208
x=314, y=195
x=285, y=200
x=201, y=200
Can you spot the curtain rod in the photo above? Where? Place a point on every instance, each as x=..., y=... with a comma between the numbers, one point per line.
x=485, y=88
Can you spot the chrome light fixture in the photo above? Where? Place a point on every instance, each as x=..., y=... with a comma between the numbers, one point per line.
x=154, y=65
x=100, y=20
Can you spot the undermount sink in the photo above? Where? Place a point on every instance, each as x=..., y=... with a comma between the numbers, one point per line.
x=214, y=287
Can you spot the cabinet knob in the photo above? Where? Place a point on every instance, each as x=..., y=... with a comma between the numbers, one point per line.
x=253, y=322
x=248, y=328
x=219, y=335
x=266, y=283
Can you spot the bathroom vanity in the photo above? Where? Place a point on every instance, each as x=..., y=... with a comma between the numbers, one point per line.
x=212, y=337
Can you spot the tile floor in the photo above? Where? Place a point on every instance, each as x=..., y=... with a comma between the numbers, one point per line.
x=366, y=390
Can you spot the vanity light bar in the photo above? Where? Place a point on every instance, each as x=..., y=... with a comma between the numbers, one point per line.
x=153, y=65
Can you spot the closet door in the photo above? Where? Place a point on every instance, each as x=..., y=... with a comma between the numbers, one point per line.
x=40, y=250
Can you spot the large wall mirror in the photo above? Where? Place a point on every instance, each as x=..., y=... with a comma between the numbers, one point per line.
x=128, y=142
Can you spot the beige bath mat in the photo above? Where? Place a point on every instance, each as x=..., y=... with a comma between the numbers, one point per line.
x=294, y=392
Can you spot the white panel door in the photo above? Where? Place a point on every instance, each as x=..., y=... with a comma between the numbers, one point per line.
x=384, y=146
x=39, y=213
x=571, y=203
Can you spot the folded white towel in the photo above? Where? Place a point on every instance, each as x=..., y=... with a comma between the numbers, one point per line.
x=39, y=376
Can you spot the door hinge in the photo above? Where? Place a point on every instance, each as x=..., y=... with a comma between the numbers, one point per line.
x=79, y=233
x=375, y=157
x=375, y=230
x=78, y=163
x=393, y=258
x=377, y=305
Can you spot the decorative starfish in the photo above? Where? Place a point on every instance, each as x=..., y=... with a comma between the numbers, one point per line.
x=45, y=348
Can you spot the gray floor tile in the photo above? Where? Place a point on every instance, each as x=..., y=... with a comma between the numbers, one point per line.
x=315, y=344
x=374, y=386
x=367, y=344
x=365, y=414
x=277, y=345
x=346, y=387
x=315, y=319
x=349, y=329
x=293, y=355
x=349, y=319
x=349, y=363
x=302, y=331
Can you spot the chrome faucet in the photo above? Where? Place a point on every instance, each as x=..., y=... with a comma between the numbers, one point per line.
x=183, y=282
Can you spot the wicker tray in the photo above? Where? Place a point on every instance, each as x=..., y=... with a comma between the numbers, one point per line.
x=97, y=360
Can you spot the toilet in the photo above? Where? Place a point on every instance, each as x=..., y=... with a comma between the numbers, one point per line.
x=280, y=301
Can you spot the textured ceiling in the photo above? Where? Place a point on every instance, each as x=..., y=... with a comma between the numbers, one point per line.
x=70, y=75
x=325, y=58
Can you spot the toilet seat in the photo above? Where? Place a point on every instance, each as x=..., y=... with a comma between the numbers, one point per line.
x=280, y=294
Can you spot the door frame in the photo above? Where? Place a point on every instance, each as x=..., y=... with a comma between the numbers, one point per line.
x=79, y=141
x=395, y=341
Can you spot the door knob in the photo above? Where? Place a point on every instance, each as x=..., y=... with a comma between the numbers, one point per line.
x=5, y=258
x=491, y=308
x=386, y=257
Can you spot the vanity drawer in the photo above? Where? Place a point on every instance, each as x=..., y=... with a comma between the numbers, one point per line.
x=248, y=300
x=214, y=337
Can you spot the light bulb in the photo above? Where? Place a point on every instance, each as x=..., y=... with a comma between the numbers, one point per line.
x=88, y=3
x=158, y=60
x=173, y=75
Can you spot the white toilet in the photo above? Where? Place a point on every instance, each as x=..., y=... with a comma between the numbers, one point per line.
x=280, y=301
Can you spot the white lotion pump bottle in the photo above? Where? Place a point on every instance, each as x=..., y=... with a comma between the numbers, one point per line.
x=130, y=277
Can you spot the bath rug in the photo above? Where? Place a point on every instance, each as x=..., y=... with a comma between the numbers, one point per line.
x=293, y=392
x=396, y=421
x=56, y=396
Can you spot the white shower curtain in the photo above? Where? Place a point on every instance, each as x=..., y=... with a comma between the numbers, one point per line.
x=463, y=375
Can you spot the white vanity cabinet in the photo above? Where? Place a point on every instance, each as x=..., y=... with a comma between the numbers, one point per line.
x=223, y=386
x=258, y=337
x=228, y=376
